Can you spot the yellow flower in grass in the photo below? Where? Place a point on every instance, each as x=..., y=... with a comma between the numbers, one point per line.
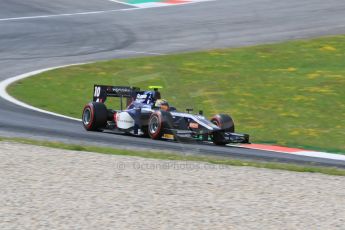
x=303, y=98
x=336, y=76
x=209, y=101
x=212, y=93
x=295, y=133
x=289, y=114
x=190, y=64
x=102, y=73
x=193, y=70
x=313, y=75
x=291, y=69
x=321, y=90
x=312, y=132
x=244, y=94
x=328, y=48
x=215, y=53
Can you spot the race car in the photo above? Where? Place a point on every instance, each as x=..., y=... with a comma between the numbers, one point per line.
x=147, y=114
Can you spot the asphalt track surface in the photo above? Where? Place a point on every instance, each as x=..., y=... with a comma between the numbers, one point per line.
x=37, y=34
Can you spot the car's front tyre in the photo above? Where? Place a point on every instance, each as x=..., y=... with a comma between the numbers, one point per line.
x=226, y=124
x=224, y=121
x=159, y=122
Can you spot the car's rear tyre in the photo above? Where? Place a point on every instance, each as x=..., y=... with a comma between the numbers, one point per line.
x=224, y=122
x=95, y=116
x=159, y=122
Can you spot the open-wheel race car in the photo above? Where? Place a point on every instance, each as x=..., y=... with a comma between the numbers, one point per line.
x=146, y=114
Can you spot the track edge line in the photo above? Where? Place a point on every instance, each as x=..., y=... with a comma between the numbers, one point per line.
x=7, y=82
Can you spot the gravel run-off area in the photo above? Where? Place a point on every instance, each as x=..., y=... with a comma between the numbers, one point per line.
x=44, y=188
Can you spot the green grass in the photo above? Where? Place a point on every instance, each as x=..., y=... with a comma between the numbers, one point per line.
x=289, y=94
x=179, y=157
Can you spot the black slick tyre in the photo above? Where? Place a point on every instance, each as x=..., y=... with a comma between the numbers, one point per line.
x=145, y=130
x=95, y=116
x=226, y=124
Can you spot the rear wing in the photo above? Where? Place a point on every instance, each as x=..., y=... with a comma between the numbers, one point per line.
x=101, y=92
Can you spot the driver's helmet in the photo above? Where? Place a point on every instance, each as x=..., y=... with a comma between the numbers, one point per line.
x=162, y=104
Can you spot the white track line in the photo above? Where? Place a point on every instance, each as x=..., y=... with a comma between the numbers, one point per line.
x=64, y=15
x=135, y=7
x=143, y=52
x=323, y=155
x=4, y=84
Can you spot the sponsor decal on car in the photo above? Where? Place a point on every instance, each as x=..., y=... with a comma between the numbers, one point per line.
x=168, y=136
x=124, y=120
